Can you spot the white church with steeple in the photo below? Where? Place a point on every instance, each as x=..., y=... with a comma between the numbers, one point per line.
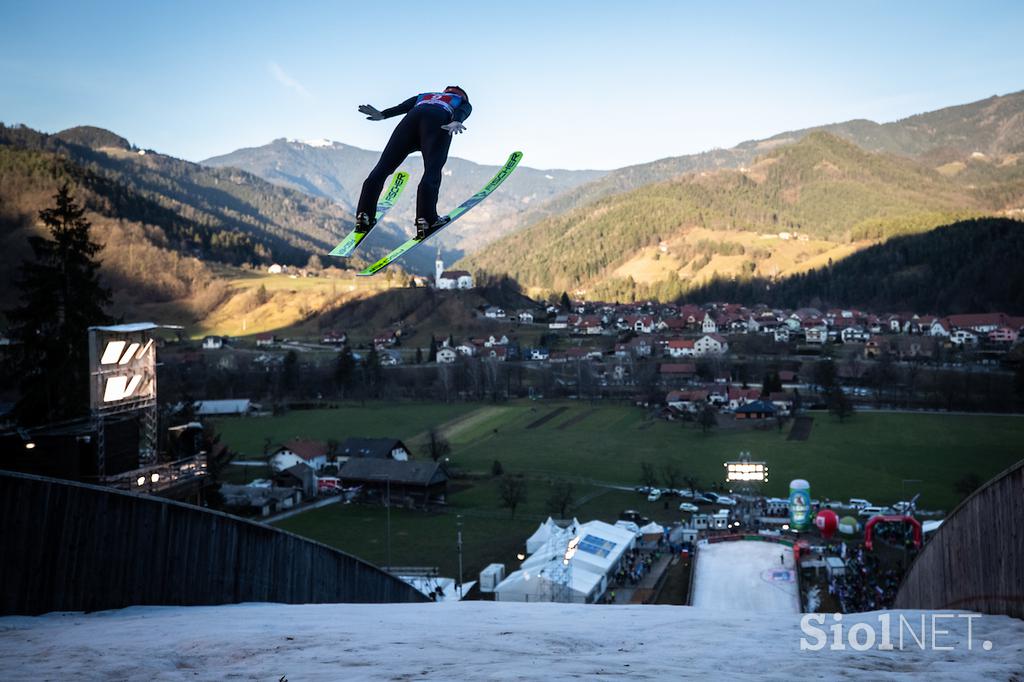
x=450, y=279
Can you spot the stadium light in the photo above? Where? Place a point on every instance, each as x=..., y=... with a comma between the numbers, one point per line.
x=154, y=478
x=129, y=354
x=746, y=471
x=141, y=481
x=29, y=445
x=570, y=551
x=119, y=388
x=112, y=353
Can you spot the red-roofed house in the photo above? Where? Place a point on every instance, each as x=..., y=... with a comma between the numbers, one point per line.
x=643, y=324
x=310, y=452
x=940, y=328
x=680, y=348
x=683, y=370
x=741, y=396
x=1003, y=335
x=978, y=322
x=497, y=352
x=687, y=401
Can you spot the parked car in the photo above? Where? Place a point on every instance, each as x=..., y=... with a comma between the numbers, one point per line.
x=684, y=492
x=631, y=515
x=703, y=498
x=726, y=500
x=873, y=511
x=654, y=495
x=688, y=507
x=711, y=496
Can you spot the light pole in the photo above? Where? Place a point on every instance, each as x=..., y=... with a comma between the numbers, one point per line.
x=387, y=516
x=458, y=544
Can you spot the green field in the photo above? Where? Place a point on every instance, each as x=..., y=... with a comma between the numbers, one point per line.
x=404, y=421
x=593, y=444
x=867, y=456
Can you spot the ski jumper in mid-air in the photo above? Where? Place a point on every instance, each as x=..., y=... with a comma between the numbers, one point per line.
x=430, y=120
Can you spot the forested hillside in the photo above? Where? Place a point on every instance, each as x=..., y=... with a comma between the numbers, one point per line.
x=815, y=199
x=146, y=246
x=969, y=266
x=993, y=127
x=224, y=215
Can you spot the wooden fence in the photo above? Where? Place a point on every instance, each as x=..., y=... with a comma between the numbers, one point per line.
x=68, y=546
x=975, y=561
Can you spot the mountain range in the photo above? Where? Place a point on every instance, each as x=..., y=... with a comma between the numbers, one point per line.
x=794, y=207
x=764, y=209
x=993, y=127
x=336, y=171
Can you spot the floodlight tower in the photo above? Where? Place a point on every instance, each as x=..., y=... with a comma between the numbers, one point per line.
x=559, y=573
x=746, y=473
x=122, y=364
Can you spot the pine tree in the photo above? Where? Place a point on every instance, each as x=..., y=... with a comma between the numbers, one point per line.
x=61, y=297
x=344, y=370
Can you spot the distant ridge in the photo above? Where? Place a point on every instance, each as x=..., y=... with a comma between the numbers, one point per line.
x=797, y=206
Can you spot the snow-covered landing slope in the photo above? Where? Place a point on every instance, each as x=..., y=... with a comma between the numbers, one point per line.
x=746, y=577
x=476, y=641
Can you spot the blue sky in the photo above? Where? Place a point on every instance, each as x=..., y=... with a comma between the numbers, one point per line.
x=572, y=84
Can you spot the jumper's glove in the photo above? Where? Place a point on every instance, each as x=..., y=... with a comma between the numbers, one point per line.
x=371, y=112
x=454, y=128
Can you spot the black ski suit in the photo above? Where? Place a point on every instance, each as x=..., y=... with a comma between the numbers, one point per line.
x=420, y=130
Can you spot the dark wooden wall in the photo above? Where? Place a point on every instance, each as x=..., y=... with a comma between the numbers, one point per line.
x=68, y=546
x=975, y=561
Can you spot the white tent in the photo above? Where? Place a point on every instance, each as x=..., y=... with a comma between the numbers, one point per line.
x=652, y=529
x=536, y=585
x=540, y=536
x=548, y=530
x=595, y=554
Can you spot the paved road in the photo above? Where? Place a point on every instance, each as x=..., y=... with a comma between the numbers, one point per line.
x=334, y=499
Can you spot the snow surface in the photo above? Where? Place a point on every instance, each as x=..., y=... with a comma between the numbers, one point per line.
x=322, y=142
x=746, y=576
x=475, y=641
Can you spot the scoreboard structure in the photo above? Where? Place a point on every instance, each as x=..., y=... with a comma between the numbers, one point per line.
x=122, y=370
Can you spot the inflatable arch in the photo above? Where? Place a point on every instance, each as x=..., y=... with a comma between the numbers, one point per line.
x=869, y=528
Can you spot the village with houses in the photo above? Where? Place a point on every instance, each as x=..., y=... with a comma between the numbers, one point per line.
x=717, y=365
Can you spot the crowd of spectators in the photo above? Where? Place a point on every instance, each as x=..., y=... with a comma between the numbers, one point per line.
x=634, y=566
x=867, y=584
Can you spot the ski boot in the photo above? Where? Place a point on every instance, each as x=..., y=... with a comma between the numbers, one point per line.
x=424, y=229
x=364, y=223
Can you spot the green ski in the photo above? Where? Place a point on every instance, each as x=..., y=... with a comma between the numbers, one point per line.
x=349, y=244
x=489, y=188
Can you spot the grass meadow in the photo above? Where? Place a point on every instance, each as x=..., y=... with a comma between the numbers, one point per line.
x=595, y=444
